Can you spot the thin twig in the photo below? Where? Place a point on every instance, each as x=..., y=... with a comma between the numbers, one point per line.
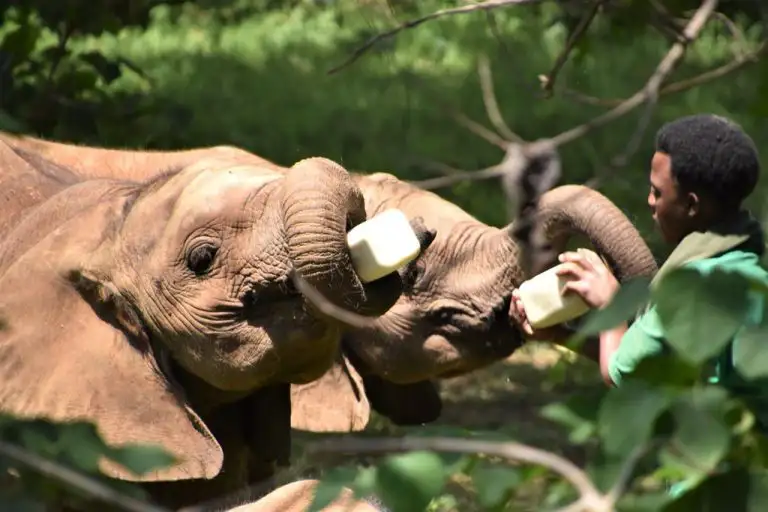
x=489, y=100
x=739, y=42
x=680, y=85
x=665, y=67
x=480, y=130
x=464, y=9
x=517, y=452
x=495, y=171
x=76, y=479
x=548, y=81
x=625, y=475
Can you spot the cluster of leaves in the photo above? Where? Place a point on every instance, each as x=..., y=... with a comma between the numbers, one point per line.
x=49, y=89
x=37, y=456
x=668, y=426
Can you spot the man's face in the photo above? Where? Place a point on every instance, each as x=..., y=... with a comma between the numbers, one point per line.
x=672, y=211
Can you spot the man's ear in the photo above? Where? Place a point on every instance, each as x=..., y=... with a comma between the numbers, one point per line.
x=692, y=204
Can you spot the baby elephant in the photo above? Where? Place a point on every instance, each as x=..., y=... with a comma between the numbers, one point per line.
x=162, y=309
x=454, y=314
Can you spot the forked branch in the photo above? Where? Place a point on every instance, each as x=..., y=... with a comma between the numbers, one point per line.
x=649, y=93
x=591, y=499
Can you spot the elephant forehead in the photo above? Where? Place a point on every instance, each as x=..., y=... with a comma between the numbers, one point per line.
x=215, y=192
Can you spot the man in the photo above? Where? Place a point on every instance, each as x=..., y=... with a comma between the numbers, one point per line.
x=703, y=168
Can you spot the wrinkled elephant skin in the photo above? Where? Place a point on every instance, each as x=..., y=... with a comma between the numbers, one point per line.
x=453, y=316
x=159, y=307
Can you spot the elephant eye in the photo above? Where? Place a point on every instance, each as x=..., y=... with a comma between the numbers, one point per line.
x=413, y=273
x=200, y=258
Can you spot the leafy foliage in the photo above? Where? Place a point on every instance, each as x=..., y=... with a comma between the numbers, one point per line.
x=73, y=446
x=49, y=89
x=683, y=438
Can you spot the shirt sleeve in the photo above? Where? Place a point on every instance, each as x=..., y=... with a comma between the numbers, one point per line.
x=644, y=338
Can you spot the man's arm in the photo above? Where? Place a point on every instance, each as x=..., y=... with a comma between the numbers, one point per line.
x=622, y=352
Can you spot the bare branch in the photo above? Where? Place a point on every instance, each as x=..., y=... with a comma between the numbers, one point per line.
x=649, y=93
x=591, y=498
x=495, y=171
x=665, y=67
x=489, y=99
x=739, y=40
x=464, y=9
x=480, y=130
x=625, y=475
x=681, y=85
x=76, y=479
x=548, y=81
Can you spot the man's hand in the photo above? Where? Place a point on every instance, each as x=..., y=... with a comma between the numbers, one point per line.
x=517, y=312
x=589, y=277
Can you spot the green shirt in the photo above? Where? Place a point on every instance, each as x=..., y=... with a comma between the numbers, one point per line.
x=645, y=337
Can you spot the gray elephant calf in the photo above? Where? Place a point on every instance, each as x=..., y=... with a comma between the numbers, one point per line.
x=453, y=316
x=160, y=307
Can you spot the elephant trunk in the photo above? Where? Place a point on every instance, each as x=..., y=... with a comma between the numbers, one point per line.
x=321, y=203
x=575, y=209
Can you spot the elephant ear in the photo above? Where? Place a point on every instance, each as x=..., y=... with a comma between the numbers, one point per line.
x=404, y=404
x=73, y=349
x=336, y=402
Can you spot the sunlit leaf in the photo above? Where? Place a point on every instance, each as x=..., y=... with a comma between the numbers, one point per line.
x=628, y=414
x=408, y=482
x=330, y=487
x=701, y=312
x=494, y=485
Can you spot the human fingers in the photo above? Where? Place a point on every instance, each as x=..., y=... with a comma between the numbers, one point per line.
x=579, y=287
x=572, y=269
x=596, y=262
x=577, y=258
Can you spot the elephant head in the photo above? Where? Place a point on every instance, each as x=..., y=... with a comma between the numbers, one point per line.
x=453, y=316
x=109, y=285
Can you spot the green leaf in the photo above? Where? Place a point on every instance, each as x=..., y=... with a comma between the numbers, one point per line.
x=667, y=369
x=141, y=459
x=109, y=70
x=628, y=414
x=738, y=490
x=495, y=485
x=578, y=413
x=624, y=305
x=83, y=445
x=701, y=312
x=10, y=124
x=750, y=357
x=701, y=438
x=408, y=482
x=330, y=486
x=20, y=42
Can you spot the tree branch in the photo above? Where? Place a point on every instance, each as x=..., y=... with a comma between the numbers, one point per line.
x=85, y=484
x=548, y=81
x=651, y=88
x=591, y=498
x=489, y=100
x=649, y=93
x=464, y=9
x=684, y=84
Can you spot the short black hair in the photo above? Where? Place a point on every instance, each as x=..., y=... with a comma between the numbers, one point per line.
x=711, y=155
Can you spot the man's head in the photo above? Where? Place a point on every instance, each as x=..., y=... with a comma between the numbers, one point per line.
x=703, y=168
